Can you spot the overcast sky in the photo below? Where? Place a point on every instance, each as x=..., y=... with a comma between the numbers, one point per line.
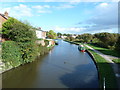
x=66, y=17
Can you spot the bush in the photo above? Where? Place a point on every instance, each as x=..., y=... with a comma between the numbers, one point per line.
x=11, y=55
x=28, y=51
x=46, y=42
x=42, y=49
x=7, y=27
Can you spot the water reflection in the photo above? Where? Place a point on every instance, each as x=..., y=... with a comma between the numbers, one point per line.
x=63, y=67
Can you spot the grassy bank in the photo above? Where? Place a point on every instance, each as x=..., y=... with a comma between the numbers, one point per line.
x=105, y=50
x=116, y=61
x=105, y=71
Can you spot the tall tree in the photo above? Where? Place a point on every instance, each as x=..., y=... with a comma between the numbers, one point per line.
x=59, y=35
x=51, y=34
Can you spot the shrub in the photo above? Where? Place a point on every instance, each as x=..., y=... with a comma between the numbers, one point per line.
x=24, y=35
x=46, y=42
x=7, y=27
x=11, y=55
x=28, y=51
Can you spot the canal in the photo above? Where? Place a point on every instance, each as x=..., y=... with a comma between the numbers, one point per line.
x=63, y=67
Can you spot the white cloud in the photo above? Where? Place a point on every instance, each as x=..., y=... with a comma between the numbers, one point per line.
x=68, y=30
x=103, y=4
x=105, y=18
x=41, y=7
x=64, y=6
x=40, y=11
x=18, y=11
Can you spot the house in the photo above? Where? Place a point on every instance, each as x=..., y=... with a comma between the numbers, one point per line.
x=63, y=37
x=40, y=34
x=3, y=18
x=51, y=42
x=74, y=35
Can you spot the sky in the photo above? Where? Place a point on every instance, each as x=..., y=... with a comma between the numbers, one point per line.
x=74, y=17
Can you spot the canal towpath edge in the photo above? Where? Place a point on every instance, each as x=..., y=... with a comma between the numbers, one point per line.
x=109, y=59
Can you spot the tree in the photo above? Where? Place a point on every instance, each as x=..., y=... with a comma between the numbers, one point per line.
x=85, y=37
x=7, y=27
x=107, y=40
x=59, y=35
x=25, y=37
x=117, y=46
x=51, y=34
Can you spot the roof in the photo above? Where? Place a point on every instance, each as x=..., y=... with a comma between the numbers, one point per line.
x=3, y=16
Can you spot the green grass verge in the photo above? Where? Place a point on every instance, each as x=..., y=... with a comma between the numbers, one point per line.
x=116, y=60
x=105, y=50
x=105, y=70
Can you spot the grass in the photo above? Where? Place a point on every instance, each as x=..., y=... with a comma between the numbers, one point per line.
x=105, y=50
x=116, y=60
x=105, y=70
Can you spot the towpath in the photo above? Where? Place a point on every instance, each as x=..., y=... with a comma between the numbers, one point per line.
x=114, y=65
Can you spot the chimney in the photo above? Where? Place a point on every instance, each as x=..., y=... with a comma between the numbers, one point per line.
x=6, y=13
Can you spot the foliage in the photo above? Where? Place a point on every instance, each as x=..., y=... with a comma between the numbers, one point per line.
x=105, y=71
x=69, y=38
x=59, y=35
x=42, y=49
x=7, y=27
x=51, y=34
x=24, y=35
x=107, y=40
x=105, y=50
x=118, y=45
x=11, y=54
x=116, y=60
x=46, y=42
x=28, y=51
x=85, y=38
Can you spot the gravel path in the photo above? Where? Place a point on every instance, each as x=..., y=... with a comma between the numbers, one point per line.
x=114, y=65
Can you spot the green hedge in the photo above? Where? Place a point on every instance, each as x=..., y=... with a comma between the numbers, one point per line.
x=11, y=55
x=28, y=51
x=46, y=42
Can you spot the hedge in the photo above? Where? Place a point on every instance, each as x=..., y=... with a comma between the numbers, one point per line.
x=11, y=55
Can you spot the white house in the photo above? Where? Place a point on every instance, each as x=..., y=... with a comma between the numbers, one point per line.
x=40, y=33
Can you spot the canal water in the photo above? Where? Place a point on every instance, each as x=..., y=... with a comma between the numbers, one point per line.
x=63, y=67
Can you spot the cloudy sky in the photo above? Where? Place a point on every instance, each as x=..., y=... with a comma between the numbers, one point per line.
x=66, y=17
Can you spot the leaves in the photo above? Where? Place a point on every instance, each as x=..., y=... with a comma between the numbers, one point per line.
x=51, y=34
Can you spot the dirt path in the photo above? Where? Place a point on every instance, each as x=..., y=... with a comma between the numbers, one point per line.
x=114, y=65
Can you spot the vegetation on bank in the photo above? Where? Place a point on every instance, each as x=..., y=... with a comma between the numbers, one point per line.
x=107, y=43
x=20, y=46
x=116, y=61
x=51, y=34
x=105, y=71
x=105, y=50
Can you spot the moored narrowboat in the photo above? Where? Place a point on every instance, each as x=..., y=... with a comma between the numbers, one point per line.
x=81, y=48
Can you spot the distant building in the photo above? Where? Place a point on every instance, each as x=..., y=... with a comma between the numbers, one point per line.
x=40, y=33
x=63, y=37
x=3, y=18
x=74, y=35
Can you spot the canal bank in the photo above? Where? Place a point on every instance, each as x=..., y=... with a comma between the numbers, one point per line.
x=63, y=67
x=42, y=49
x=106, y=74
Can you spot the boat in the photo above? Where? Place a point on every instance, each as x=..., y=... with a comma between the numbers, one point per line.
x=56, y=42
x=81, y=48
